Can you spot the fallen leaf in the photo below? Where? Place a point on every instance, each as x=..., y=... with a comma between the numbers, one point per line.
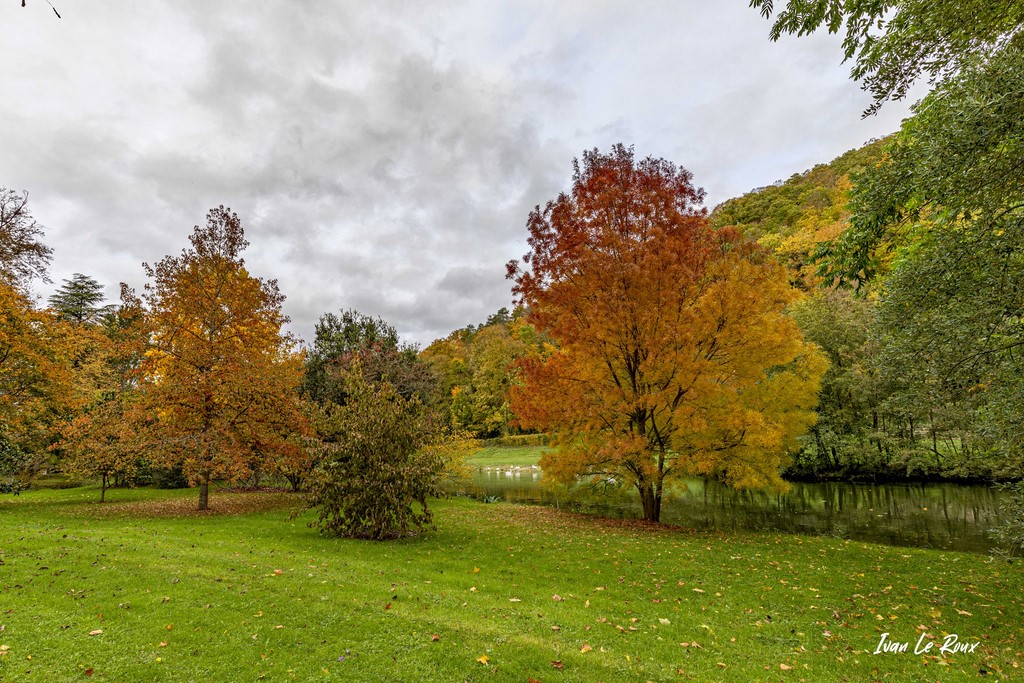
x=163, y=643
x=387, y=606
x=785, y=667
x=556, y=598
x=555, y=628
x=476, y=570
x=96, y=632
x=435, y=637
x=964, y=613
x=533, y=680
x=278, y=572
x=664, y=622
x=88, y=672
x=279, y=626
x=483, y=659
x=557, y=664
x=586, y=647
x=514, y=600
x=169, y=626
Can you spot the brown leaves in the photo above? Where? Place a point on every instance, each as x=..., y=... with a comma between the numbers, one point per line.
x=96, y=632
x=557, y=663
x=219, y=374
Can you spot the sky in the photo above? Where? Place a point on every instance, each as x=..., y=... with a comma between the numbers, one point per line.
x=384, y=156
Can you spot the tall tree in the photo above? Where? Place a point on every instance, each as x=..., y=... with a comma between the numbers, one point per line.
x=22, y=255
x=675, y=356
x=341, y=340
x=78, y=300
x=220, y=375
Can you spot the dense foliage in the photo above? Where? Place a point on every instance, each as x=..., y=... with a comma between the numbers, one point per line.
x=377, y=467
x=927, y=379
x=343, y=340
x=475, y=369
x=893, y=43
x=674, y=355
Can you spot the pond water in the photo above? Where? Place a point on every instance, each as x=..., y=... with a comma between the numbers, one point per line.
x=945, y=516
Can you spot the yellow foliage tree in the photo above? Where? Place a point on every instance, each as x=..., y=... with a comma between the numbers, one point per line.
x=675, y=356
x=35, y=381
x=219, y=375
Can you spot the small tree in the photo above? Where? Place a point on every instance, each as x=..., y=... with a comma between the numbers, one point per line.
x=377, y=465
x=103, y=443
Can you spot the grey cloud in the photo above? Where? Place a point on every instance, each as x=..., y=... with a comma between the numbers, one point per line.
x=384, y=156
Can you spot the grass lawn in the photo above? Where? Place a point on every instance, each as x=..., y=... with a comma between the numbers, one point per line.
x=143, y=588
x=493, y=456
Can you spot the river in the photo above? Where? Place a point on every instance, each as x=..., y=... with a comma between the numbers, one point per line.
x=943, y=515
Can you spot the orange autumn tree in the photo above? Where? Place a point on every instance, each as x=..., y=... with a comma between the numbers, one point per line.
x=675, y=356
x=220, y=377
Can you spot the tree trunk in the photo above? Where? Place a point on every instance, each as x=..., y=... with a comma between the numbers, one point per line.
x=651, y=502
x=204, y=495
x=103, y=488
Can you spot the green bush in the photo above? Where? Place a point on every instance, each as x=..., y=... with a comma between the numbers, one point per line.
x=1010, y=535
x=377, y=466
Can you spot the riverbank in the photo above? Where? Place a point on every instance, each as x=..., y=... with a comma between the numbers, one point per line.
x=145, y=588
x=497, y=456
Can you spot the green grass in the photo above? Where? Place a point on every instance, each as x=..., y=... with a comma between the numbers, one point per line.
x=249, y=593
x=507, y=455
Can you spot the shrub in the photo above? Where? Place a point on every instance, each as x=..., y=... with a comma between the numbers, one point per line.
x=1010, y=535
x=377, y=465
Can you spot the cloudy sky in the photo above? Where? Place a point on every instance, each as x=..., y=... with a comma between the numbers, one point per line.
x=384, y=155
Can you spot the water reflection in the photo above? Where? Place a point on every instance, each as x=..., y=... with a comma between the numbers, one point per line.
x=947, y=516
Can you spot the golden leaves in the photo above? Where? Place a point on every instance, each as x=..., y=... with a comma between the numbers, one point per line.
x=675, y=356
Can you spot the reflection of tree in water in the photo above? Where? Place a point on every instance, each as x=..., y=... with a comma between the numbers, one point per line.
x=947, y=516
